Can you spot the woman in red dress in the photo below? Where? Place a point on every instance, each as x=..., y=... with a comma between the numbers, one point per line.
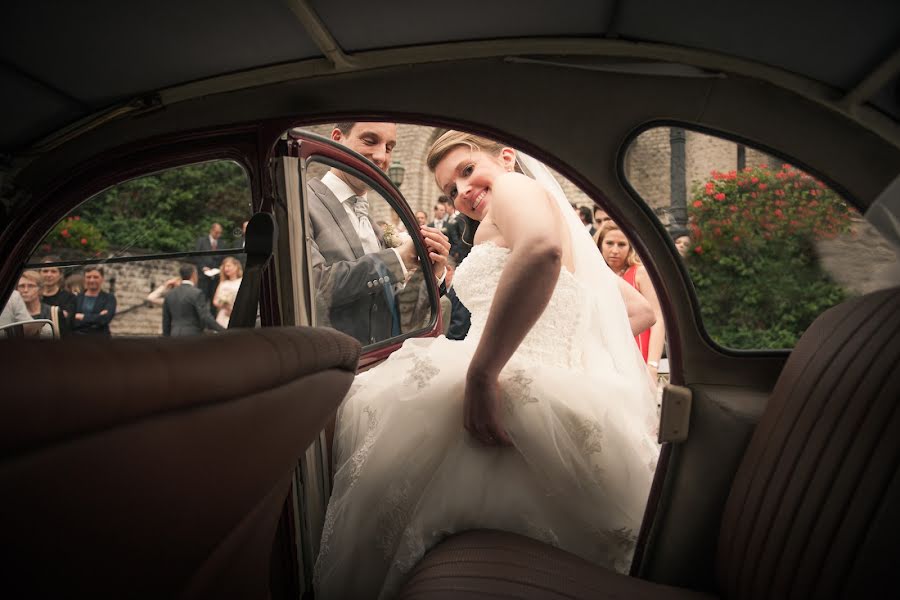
x=622, y=259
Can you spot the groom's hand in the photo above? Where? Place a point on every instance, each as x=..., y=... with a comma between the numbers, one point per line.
x=408, y=255
x=438, y=249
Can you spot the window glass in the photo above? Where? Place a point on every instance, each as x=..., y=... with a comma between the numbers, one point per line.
x=768, y=246
x=111, y=286
x=364, y=263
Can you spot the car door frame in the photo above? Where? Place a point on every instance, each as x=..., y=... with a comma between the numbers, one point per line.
x=287, y=178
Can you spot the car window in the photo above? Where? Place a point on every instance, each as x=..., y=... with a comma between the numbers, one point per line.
x=768, y=246
x=362, y=283
x=108, y=266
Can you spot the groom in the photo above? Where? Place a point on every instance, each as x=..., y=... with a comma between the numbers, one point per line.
x=355, y=275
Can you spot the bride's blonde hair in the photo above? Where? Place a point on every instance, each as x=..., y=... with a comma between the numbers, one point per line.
x=451, y=139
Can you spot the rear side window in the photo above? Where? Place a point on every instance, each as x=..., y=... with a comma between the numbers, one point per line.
x=768, y=246
x=105, y=265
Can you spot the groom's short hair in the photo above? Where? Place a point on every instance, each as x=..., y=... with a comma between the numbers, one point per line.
x=345, y=127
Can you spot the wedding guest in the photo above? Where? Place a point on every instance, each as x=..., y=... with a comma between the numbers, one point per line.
x=158, y=296
x=206, y=264
x=622, y=259
x=460, y=317
x=75, y=283
x=94, y=308
x=14, y=311
x=230, y=276
x=440, y=216
x=584, y=213
x=421, y=218
x=185, y=307
x=453, y=226
x=54, y=294
x=243, y=255
x=600, y=217
x=682, y=240
x=29, y=288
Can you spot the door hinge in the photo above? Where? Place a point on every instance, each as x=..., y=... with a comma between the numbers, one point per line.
x=675, y=415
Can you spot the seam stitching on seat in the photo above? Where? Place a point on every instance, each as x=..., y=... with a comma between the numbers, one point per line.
x=851, y=311
x=838, y=421
x=867, y=460
x=163, y=413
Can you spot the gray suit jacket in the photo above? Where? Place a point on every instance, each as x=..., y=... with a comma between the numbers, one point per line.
x=186, y=312
x=354, y=290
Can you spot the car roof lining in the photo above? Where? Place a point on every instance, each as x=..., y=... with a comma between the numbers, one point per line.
x=139, y=50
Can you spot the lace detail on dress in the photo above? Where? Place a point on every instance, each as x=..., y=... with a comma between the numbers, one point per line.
x=391, y=517
x=555, y=336
x=421, y=372
x=586, y=433
x=355, y=464
x=517, y=390
x=359, y=457
x=619, y=544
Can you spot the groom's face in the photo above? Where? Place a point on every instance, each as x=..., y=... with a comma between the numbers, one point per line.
x=375, y=141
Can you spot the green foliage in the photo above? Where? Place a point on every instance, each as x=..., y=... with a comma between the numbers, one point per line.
x=75, y=238
x=753, y=263
x=168, y=211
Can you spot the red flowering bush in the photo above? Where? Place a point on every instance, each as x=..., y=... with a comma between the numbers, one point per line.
x=74, y=237
x=754, y=264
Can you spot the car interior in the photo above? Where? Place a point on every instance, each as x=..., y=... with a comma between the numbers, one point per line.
x=151, y=466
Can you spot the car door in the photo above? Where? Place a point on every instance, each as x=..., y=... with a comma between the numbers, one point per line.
x=379, y=312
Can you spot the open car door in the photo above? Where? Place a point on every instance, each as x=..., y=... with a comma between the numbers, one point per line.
x=339, y=277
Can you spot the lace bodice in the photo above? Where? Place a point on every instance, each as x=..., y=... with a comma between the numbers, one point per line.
x=555, y=337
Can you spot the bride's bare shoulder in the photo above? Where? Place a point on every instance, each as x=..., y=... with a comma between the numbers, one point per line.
x=516, y=181
x=517, y=189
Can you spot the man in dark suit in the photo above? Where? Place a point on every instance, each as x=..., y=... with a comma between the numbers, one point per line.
x=452, y=227
x=587, y=218
x=94, y=308
x=440, y=215
x=460, y=318
x=355, y=274
x=207, y=282
x=185, y=309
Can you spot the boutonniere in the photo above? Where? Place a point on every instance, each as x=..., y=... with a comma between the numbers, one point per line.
x=391, y=236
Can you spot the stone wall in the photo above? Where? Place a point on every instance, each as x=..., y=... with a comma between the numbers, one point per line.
x=132, y=282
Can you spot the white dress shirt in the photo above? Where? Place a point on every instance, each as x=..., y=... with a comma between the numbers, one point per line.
x=345, y=194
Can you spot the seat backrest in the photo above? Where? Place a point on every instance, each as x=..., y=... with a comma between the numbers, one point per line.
x=157, y=468
x=814, y=510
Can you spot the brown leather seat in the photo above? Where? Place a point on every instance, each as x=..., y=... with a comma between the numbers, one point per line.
x=496, y=564
x=157, y=468
x=814, y=510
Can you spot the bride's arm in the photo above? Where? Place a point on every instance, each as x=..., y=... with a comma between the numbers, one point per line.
x=529, y=223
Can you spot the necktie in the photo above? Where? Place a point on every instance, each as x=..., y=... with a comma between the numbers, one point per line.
x=214, y=245
x=364, y=226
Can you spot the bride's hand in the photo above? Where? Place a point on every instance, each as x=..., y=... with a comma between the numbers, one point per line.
x=481, y=410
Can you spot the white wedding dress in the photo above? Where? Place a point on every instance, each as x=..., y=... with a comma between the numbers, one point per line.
x=408, y=474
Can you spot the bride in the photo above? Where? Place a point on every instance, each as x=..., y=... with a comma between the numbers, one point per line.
x=539, y=423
